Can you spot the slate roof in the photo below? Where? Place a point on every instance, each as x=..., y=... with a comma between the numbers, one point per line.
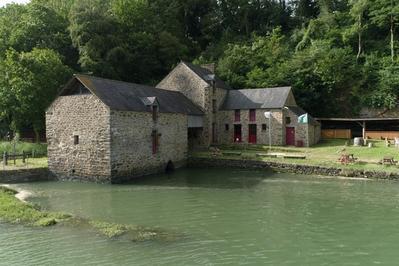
x=123, y=96
x=266, y=98
x=206, y=74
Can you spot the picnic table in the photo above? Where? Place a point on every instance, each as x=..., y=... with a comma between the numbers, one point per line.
x=347, y=158
x=388, y=160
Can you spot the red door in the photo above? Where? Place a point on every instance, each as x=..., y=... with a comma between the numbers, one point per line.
x=237, y=133
x=252, y=134
x=290, y=136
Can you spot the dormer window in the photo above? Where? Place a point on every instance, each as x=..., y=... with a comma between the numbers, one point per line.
x=152, y=104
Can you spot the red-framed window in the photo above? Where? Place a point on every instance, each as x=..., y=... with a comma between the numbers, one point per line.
x=237, y=115
x=252, y=115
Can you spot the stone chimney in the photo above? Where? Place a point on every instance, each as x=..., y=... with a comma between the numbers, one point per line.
x=210, y=67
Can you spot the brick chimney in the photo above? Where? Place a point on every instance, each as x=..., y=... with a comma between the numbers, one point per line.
x=210, y=67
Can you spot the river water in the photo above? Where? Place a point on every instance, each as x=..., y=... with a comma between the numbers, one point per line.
x=226, y=217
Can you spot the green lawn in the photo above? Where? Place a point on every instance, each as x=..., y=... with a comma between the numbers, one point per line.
x=326, y=153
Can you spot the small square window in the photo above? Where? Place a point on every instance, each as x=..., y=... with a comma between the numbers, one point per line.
x=76, y=140
x=226, y=127
x=264, y=127
x=288, y=120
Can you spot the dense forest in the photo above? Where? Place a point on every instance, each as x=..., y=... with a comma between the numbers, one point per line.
x=339, y=55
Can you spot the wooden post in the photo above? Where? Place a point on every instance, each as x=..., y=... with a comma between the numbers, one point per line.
x=5, y=163
x=364, y=129
x=33, y=153
x=23, y=156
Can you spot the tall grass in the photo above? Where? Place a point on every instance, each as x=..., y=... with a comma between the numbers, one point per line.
x=40, y=149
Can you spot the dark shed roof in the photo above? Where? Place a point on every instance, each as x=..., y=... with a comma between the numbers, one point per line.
x=206, y=74
x=123, y=96
x=267, y=98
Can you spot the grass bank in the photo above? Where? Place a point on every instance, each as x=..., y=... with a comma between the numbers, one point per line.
x=15, y=211
x=39, y=149
x=324, y=154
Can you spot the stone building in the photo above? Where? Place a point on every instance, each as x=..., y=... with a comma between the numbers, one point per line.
x=237, y=116
x=110, y=131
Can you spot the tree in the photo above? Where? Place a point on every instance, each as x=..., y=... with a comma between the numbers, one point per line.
x=35, y=25
x=31, y=82
x=386, y=12
x=358, y=8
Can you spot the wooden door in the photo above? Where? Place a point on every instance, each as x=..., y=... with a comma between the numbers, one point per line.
x=290, y=136
x=237, y=133
x=252, y=134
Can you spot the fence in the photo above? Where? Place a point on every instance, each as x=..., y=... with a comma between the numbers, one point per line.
x=336, y=134
x=14, y=157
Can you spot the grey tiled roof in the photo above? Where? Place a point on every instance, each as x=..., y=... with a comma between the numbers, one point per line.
x=206, y=74
x=266, y=98
x=123, y=96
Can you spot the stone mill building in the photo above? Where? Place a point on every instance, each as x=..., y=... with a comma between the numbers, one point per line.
x=111, y=131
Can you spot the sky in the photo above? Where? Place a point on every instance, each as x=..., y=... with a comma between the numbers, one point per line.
x=4, y=2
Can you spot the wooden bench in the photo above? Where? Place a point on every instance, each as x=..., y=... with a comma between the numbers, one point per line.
x=294, y=156
x=388, y=160
x=231, y=153
x=266, y=155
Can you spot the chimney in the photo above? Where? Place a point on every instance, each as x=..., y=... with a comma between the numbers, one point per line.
x=210, y=67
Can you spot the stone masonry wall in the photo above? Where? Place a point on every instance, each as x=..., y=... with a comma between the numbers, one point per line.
x=184, y=80
x=87, y=117
x=198, y=91
x=211, y=116
x=131, y=135
x=301, y=130
x=278, y=131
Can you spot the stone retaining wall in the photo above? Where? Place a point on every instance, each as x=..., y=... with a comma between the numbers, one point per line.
x=25, y=175
x=290, y=168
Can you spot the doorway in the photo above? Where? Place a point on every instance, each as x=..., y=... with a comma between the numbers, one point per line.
x=252, y=133
x=237, y=133
x=290, y=136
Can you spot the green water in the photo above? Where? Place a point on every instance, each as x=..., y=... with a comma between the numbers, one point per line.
x=226, y=217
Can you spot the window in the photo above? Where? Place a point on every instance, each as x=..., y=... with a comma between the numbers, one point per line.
x=214, y=106
x=237, y=115
x=226, y=127
x=155, y=143
x=154, y=113
x=252, y=115
x=288, y=120
x=264, y=127
x=76, y=140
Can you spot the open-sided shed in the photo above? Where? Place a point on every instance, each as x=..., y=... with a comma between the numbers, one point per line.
x=373, y=127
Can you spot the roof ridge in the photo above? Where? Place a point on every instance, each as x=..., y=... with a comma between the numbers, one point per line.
x=125, y=82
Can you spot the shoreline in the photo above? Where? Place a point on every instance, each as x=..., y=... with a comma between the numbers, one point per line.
x=199, y=162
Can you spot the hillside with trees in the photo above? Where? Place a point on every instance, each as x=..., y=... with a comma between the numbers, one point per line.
x=339, y=55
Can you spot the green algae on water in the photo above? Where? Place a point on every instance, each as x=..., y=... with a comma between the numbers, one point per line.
x=15, y=211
